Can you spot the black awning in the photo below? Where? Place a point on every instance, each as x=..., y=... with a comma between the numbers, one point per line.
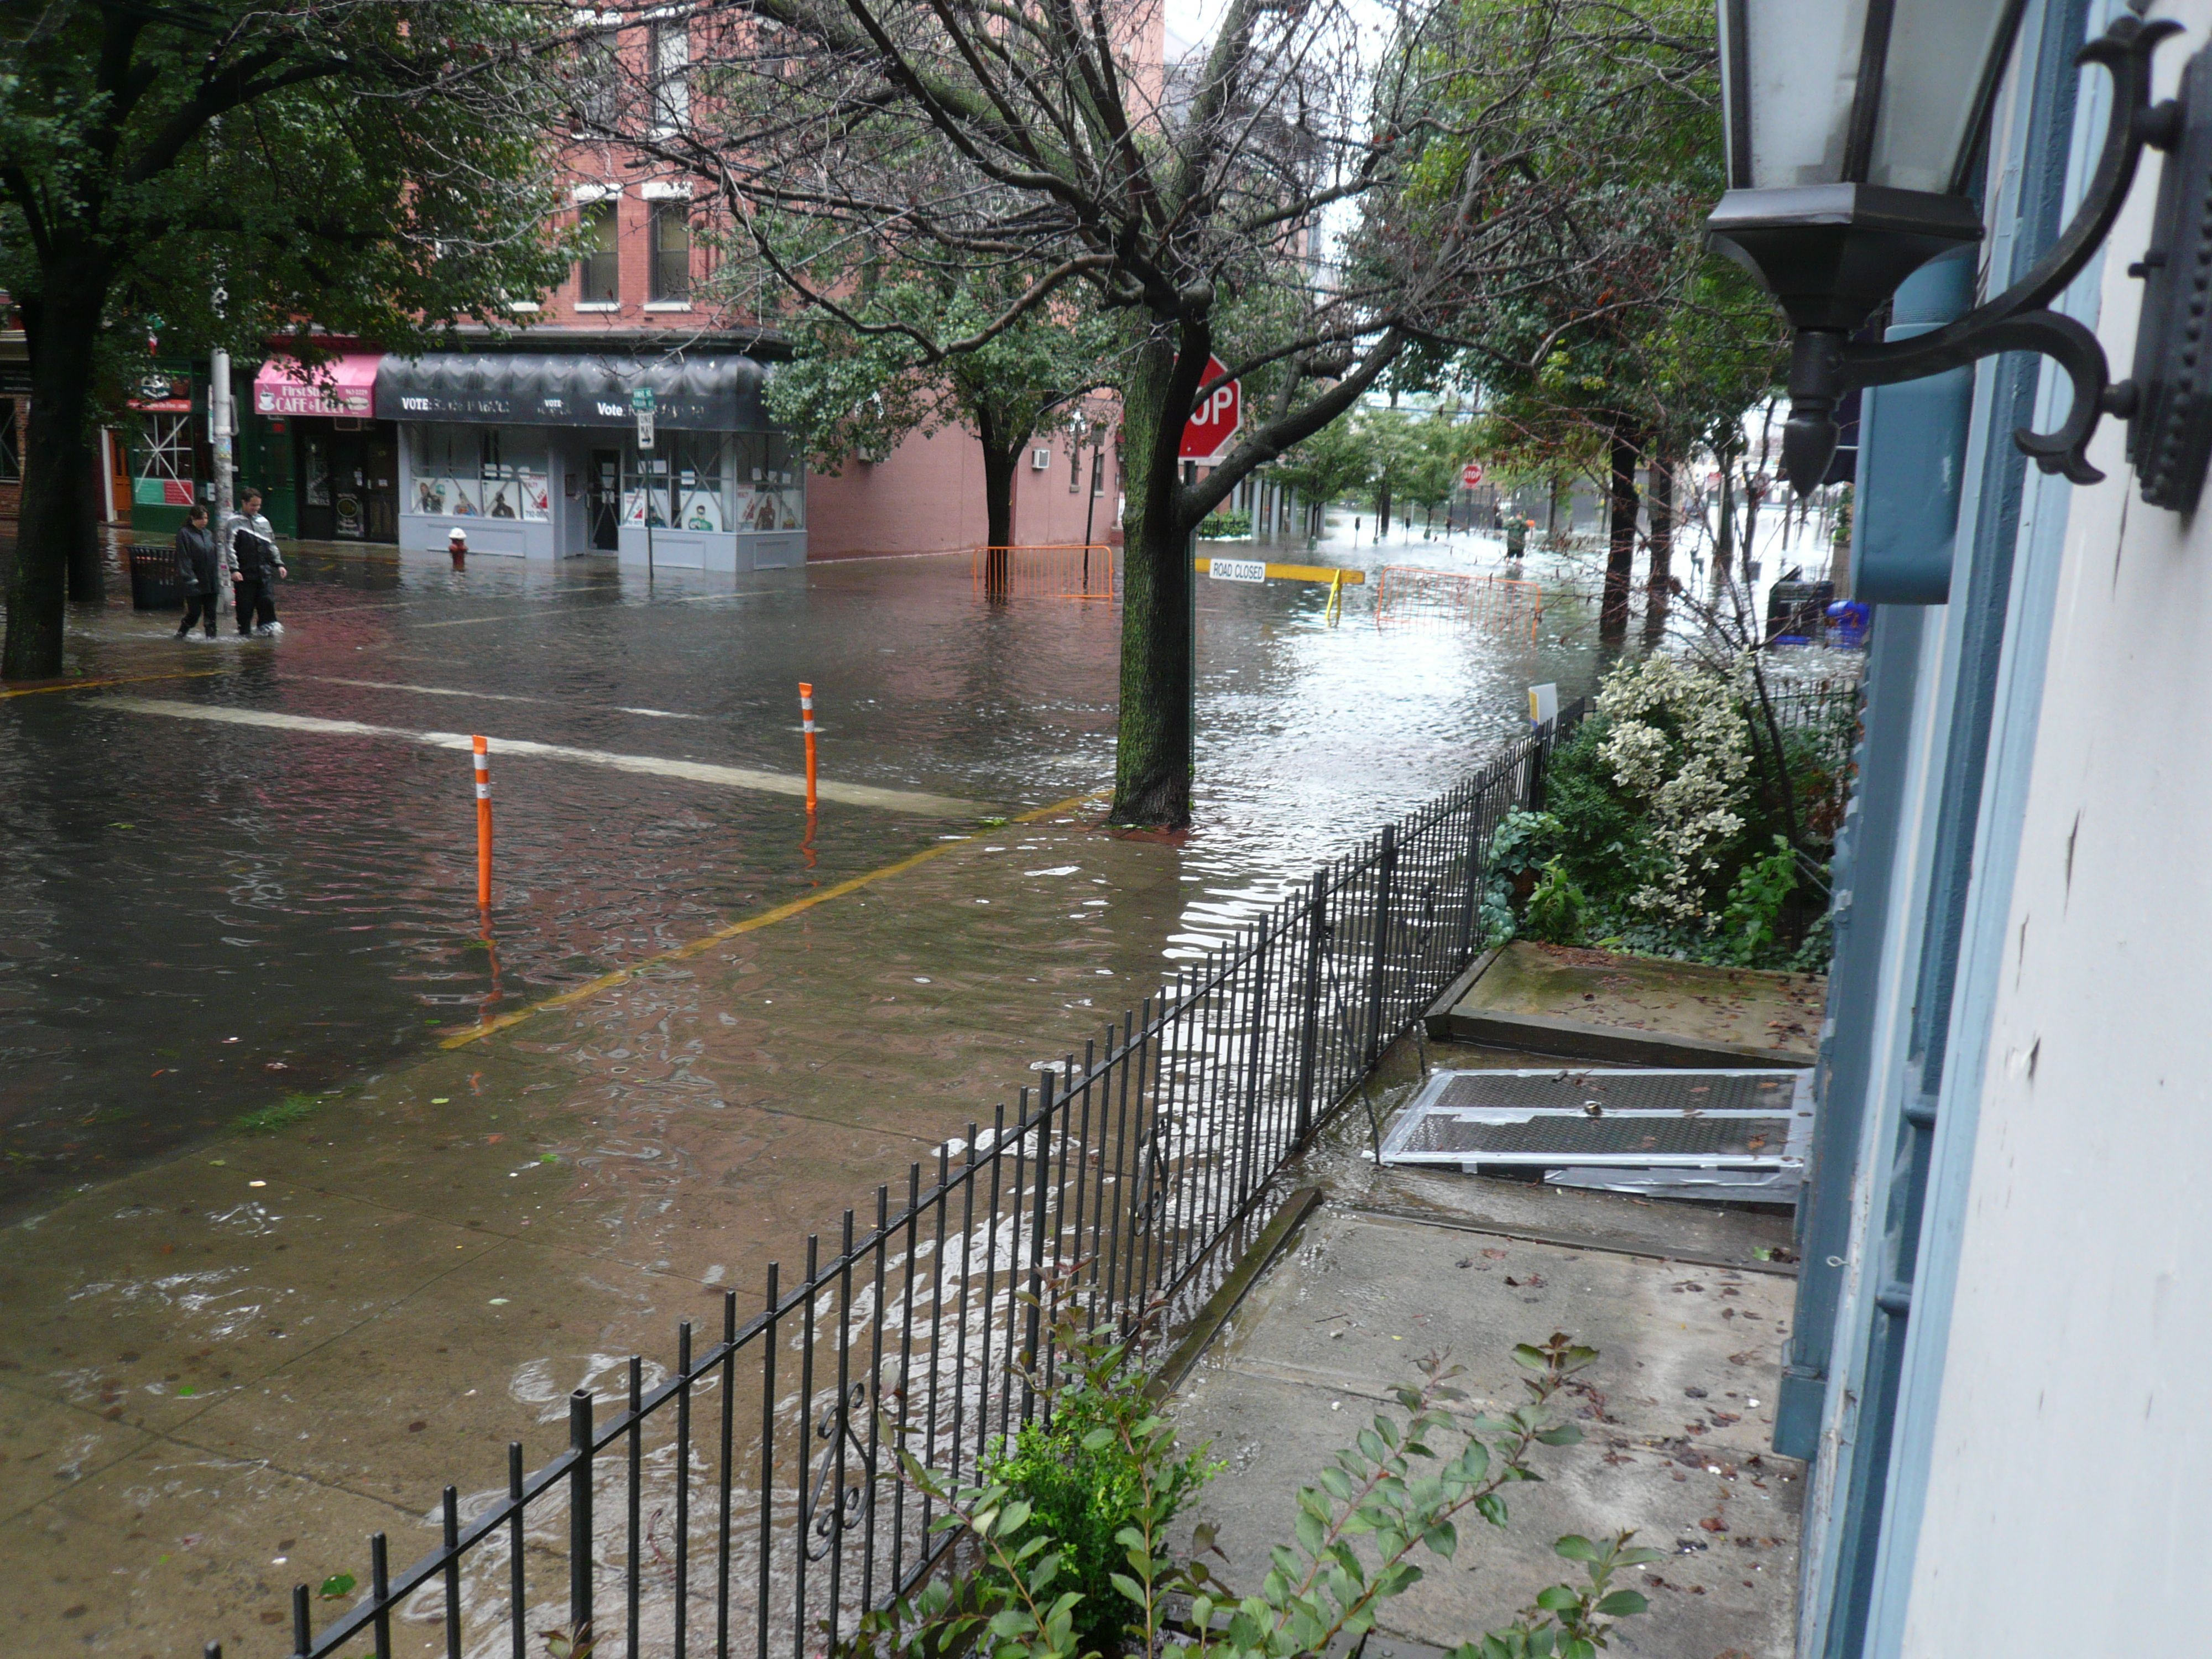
x=695, y=391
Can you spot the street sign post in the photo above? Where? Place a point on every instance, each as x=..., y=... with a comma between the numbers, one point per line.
x=642, y=405
x=1207, y=434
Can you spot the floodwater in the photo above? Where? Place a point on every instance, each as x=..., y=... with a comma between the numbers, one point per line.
x=246, y=870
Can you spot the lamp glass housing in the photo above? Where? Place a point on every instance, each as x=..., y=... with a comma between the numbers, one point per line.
x=1874, y=92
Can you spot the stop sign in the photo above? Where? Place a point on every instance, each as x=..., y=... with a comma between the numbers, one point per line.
x=1472, y=475
x=1208, y=431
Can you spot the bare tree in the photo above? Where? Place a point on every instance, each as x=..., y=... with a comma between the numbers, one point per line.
x=1305, y=198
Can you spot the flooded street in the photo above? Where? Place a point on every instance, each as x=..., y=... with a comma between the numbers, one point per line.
x=204, y=917
x=264, y=1297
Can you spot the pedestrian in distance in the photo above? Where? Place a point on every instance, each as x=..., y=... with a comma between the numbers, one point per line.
x=457, y=548
x=196, y=572
x=1516, y=535
x=256, y=564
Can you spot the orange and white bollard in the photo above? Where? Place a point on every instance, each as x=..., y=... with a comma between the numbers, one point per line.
x=483, y=825
x=806, y=725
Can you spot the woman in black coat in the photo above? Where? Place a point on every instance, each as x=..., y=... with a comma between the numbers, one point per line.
x=195, y=571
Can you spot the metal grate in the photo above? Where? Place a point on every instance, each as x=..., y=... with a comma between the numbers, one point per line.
x=1593, y=1122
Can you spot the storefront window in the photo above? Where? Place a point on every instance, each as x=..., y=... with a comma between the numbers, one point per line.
x=679, y=482
x=769, y=492
x=513, y=475
x=168, y=450
x=446, y=465
x=479, y=471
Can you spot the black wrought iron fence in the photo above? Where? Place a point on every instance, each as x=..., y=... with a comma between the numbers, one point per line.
x=748, y=1501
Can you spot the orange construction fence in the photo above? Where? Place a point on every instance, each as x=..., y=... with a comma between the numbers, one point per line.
x=1407, y=593
x=1071, y=571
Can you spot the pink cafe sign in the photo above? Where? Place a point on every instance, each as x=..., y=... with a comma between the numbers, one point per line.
x=344, y=385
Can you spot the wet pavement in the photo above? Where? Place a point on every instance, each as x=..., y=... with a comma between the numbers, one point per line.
x=219, y=1345
x=1687, y=1312
x=206, y=915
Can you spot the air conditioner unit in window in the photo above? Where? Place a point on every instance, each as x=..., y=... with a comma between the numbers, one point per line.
x=1040, y=460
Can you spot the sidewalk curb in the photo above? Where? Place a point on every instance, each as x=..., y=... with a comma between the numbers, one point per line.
x=1233, y=1290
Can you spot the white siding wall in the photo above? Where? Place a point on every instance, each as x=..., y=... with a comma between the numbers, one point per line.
x=2070, y=1473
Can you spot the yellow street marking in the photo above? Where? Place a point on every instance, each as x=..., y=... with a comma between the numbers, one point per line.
x=1299, y=573
x=591, y=988
x=729, y=777
x=127, y=679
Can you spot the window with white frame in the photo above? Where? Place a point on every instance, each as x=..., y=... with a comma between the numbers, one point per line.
x=671, y=276
x=598, y=268
x=669, y=54
x=167, y=453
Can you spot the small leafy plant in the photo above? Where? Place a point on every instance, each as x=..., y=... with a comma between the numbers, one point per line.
x=1399, y=1494
x=291, y=1109
x=1086, y=1474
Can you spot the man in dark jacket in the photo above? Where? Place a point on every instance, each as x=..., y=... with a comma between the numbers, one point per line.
x=257, y=563
x=196, y=572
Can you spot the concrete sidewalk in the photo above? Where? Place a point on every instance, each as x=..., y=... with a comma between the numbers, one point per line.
x=1676, y=1412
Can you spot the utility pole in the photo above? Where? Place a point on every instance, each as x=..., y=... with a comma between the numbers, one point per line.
x=223, y=436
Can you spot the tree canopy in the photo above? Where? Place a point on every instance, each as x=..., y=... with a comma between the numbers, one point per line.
x=203, y=173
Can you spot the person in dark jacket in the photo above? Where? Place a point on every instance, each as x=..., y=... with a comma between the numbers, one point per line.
x=196, y=572
x=256, y=563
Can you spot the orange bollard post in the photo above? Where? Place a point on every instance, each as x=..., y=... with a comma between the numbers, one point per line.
x=806, y=725
x=483, y=825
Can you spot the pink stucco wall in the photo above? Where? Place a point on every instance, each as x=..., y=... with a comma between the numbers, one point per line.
x=928, y=498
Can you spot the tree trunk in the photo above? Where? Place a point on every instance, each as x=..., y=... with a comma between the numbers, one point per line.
x=1659, y=585
x=1152, y=751
x=57, y=546
x=1381, y=512
x=999, y=462
x=1724, y=538
x=1621, y=556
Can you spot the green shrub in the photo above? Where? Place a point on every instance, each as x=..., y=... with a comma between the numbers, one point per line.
x=1751, y=926
x=1083, y=1477
x=1220, y=525
x=1559, y=911
x=1665, y=831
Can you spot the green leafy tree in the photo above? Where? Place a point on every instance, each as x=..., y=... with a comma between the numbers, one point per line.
x=1630, y=346
x=209, y=173
x=1197, y=201
x=858, y=384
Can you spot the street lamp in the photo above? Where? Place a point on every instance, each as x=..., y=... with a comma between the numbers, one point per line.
x=1853, y=129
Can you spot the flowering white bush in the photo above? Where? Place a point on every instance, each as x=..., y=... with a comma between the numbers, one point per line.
x=1677, y=741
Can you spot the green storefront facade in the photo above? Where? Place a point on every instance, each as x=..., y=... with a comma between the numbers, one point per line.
x=164, y=448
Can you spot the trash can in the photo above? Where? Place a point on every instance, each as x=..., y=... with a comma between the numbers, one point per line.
x=1796, y=612
x=153, y=580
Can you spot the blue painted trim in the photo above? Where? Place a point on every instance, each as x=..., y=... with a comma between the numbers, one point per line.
x=2014, y=689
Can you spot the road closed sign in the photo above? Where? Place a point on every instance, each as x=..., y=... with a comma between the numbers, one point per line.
x=1207, y=434
x=1238, y=570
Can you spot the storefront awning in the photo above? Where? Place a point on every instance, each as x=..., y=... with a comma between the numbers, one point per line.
x=344, y=385
x=693, y=391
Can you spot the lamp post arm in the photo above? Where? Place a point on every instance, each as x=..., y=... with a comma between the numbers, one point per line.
x=2020, y=318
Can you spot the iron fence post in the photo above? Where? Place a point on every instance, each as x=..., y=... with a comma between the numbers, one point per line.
x=1385, y=868
x=579, y=1516
x=1474, y=884
x=1310, y=1038
x=1033, y=1334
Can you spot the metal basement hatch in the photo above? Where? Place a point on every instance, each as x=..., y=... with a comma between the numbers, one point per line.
x=1711, y=1134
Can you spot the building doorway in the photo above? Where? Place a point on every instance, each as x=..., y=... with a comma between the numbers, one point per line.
x=349, y=477
x=606, y=502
